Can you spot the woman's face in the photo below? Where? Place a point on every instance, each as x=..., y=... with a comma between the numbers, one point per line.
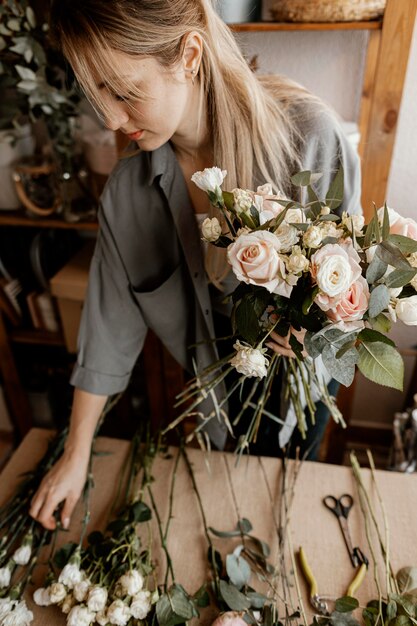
x=168, y=109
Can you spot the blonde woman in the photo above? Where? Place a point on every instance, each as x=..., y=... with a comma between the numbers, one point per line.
x=169, y=74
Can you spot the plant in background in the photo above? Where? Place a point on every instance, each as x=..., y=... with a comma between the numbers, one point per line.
x=32, y=74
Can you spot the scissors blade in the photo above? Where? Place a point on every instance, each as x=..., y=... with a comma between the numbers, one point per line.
x=348, y=540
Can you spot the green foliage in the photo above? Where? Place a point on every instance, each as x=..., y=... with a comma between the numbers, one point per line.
x=381, y=363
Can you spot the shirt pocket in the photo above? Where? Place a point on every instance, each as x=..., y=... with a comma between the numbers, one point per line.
x=169, y=311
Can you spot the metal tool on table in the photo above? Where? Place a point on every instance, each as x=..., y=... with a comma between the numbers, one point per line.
x=319, y=602
x=341, y=508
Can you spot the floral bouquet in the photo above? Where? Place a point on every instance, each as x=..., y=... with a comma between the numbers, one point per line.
x=328, y=283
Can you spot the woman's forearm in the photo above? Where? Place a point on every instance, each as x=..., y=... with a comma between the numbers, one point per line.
x=86, y=410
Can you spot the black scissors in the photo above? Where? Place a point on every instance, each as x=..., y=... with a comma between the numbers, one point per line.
x=341, y=508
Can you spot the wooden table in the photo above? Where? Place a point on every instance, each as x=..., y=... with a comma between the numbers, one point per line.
x=312, y=526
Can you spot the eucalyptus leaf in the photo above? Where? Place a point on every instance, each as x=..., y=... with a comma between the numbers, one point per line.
x=346, y=604
x=369, y=234
x=13, y=24
x=334, y=196
x=369, y=334
x=257, y=600
x=30, y=16
x=238, y=570
x=26, y=73
x=181, y=603
x=376, y=270
x=201, y=597
x=382, y=364
x=402, y=620
x=343, y=619
x=391, y=610
x=405, y=244
x=392, y=255
x=301, y=179
x=381, y=323
x=379, y=300
x=399, y=278
x=234, y=599
x=407, y=579
x=341, y=369
x=165, y=613
x=385, y=223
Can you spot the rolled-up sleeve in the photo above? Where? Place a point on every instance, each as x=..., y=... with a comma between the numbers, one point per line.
x=112, y=330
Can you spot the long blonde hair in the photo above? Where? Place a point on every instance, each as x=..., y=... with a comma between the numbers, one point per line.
x=255, y=136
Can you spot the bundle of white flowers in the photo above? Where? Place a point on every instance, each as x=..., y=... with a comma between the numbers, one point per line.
x=310, y=283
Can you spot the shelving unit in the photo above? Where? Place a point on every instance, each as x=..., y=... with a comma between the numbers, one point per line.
x=385, y=69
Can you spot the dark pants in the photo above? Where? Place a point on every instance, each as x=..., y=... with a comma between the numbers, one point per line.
x=267, y=441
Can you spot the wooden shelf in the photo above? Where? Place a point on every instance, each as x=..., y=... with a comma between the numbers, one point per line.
x=318, y=26
x=20, y=218
x=36, y=337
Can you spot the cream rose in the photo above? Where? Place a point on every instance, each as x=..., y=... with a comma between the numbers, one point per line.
x=118, y=613
x=412, y=259
x=41, y=597
x=334, y=268
x=297, y=261
x=255, y=260
x=132, y=582
x=210, y=179
x=21, y=616
x=71, y=575
x=406, y=310
x=267, y=203
x=353, y=303
x=295, y=216
x=211, y=229
x=22, y=555
x=141, y=605
x=243, y=200
x=399, y=225
x=357, y=221
x=80, y=616
x=57, y=592
x=249, y=361
x=81, y=590
x=312, y=238
x=287, y=237
x=97, y=598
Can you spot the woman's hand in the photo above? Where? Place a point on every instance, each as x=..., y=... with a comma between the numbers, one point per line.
x=63, y=483
x=281, y=345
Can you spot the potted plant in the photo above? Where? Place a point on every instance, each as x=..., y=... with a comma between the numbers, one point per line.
x=32, y=74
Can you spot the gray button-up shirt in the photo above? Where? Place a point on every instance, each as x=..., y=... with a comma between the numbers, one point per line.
x=148, y=272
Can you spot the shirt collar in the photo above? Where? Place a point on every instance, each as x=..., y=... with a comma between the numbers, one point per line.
x=161, y=162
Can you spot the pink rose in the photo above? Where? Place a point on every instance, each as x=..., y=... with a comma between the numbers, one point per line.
x=231, y=618
x=255, y=260
x=399, y=225
x=352, y=304
x=334, y=268
x=266, y=203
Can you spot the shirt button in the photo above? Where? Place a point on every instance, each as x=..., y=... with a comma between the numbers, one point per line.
x=207, y=311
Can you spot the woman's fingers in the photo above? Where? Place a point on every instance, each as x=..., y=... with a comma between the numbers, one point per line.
x=281, y=345
x=68, y=509
x=279, y=349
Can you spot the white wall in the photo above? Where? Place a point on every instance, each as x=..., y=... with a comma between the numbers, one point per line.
x=331, y=65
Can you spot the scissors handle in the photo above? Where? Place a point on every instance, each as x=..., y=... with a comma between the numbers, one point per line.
x=339, y=506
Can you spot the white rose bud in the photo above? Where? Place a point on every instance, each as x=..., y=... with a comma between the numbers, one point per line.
x=6, y=606
x=132, y=582
x=412, y=259
x=287, y=237
x=312, y=238
x=295, y=216
x=22, y=555
x=71, y=575
x=97, y=598
x=243, y=201
x=141, y=605
x=57, y=592
x=325, y=210
x=41, y=597
x=20, y=616
x=357, y=220
x=80, y=616
x=5, y=575
x=210, y=179
x=249, y=361
x=118, y=613
x=406, y=310
x=211, y=229
x=68, y=603
x=297, y=261
x=81, y=590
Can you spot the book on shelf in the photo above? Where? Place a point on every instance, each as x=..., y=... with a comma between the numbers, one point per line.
x=8, y=301
x=48, y=313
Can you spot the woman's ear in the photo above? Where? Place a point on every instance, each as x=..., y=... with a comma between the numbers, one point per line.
x=192, y=52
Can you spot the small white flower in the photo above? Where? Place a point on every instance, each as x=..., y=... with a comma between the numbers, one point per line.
x=141, y=605
x=101, y=618
x=329, y=229
x=297, y=261
x=132, y=582
x=57, y=593
x=19, y=616
x=71, y=575
x=68, y=603
x=249, y=361
x=80, y=616
x=22, y=555
x=357, y=220
x=325, y=210
x=295, y=216
x=81, y=590
x=210, y=179
x=412, y=259
x=118, y=613
x=243, y=200
x=313, y=236
x=6, y=605
x=5, y=575
x=41, y=596
x=211, y=229
x=97, y=598
x=406, y=310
